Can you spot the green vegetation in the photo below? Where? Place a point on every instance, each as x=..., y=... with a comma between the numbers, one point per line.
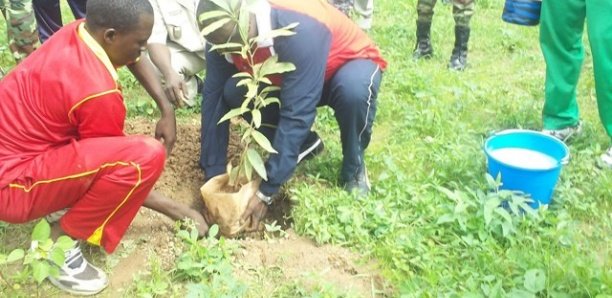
x=39, y=262
x=430, y=222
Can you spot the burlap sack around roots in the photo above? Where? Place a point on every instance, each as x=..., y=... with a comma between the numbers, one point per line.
x=225, y=208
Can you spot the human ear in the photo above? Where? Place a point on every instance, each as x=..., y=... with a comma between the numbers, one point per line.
x=109, y=35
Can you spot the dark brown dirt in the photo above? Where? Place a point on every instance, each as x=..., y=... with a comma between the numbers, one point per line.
x=151, y=235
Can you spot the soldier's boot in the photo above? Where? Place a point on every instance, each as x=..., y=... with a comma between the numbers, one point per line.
x=458, y=59
x=423, y=48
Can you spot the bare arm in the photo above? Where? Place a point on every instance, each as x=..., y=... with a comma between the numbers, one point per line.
x=166, y=126
x=175, y=210
x=175, y=86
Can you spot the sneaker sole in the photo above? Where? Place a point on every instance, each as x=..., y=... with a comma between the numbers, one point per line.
x=312, y=151
x=62, y=287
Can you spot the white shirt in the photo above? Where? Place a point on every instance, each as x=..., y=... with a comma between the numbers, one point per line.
x=175, y=21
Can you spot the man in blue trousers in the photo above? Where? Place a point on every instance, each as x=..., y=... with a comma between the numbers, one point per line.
x=49, y=15
x=337, y=65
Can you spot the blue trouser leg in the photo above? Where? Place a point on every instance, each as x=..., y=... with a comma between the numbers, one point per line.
x=49, y=16
x=78, y=8
x=352, y=94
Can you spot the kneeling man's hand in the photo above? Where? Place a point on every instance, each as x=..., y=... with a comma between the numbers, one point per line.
x=255, y=211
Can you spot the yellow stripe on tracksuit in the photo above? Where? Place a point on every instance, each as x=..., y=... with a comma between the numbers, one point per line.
x=82, y=101
x=96, y=236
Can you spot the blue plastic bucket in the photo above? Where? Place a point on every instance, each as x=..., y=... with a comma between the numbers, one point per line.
x=522, y=12
x=528, y=161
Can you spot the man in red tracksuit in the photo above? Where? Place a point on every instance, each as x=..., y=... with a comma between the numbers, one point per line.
x=62, y=145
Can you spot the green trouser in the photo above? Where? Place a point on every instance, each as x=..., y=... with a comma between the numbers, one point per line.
x=561, y=28
x=462, y=11
x=21, y=27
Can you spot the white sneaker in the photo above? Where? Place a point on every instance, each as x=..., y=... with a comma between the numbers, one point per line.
x=606, y=159
x=79, y=277
x=564, y=134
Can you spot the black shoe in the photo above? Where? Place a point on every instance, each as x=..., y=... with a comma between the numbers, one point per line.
x=458, y=60
x=200, y=84
x=359, y=184
x=311, y=147
x=423, y=48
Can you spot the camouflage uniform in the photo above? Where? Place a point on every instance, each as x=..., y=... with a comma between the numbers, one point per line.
x=344, y=6
x=21, y=27
x=462, y=13
x=363, y=10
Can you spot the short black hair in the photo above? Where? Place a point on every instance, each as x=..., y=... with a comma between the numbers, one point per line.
x=120, y=15
x=222, y=34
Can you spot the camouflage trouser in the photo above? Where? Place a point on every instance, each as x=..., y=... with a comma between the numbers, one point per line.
x=462, y=11
x=363, y=10
x=344, y=6
x=21, y=27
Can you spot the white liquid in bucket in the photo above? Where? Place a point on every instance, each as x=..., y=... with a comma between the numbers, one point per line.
x=524, y=158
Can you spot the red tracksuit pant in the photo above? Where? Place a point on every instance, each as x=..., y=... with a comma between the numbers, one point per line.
x=101, y=181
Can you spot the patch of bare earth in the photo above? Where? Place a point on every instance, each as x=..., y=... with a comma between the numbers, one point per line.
x=299, y=259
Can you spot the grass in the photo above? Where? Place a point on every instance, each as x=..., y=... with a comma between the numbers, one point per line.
x=424, y=222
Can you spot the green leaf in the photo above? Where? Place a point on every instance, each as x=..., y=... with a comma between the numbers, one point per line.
x=445, y=219
x=490, y=206
x=265, y=80
x=245, y=81
x=233, y=176
x=256, y=115
x=182, y=234
x=223, y=4
x=215, y=25
x=263, y=142
x=57, y=256
x=257, y=162
x=507, y=228
x=251, y=90
x=248, y=171
x=246, y=135
x=285, y=31
x=212, y=14
x=213, y=231
x=269, y=89
x=42, y=231
x=231, y=114
x=54, y=271
x=535, y=280
x=518, y=293
x=491, y=182
x=272, y=66
x=45, y=245
x=243, y=23
x=40, y=270
x=230, y=47
x=15, y=255
x=271, y=100
x=243, y=74
x=449, y=194
x=64, y=242
x=504, y=213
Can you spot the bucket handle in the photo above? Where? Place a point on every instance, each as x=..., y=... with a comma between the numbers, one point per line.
x=565, y=160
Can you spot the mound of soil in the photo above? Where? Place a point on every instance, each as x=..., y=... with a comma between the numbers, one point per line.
x=151, y=234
